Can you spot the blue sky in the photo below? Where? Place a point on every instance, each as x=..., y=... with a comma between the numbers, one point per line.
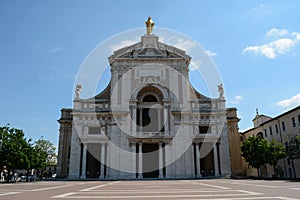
x=254, y=44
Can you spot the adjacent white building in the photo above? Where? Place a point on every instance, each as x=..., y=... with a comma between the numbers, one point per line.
x=281, y=128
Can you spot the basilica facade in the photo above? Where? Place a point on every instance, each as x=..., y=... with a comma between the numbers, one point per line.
x=149, y=122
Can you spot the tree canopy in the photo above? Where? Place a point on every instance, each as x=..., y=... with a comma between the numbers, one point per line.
x=17, y=152
x=258, y=151
x=254, y=151
x=15, y=148
x=276, y=152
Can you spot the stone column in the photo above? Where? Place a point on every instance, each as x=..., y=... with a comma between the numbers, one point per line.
x=102, y=161
x=140, y=161
x=74, y=169
x=216, y=162
x=158, y=121
x=224, y=152
x=198, y=163
x=130, y=118
x=133, y=152
x=134, y=120
x=108, y=160
x=83, y=164
x=166, y=115
x=141, y=120
x=160, y=160
x=167, y=158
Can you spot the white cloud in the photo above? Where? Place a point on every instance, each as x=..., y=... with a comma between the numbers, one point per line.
x=264, y=50
x=185, y=45
x=180, y=43
x=297, y=36
x=210, y=53
x=268, y=51
x=293, y=101
x=280, y=46
x=238, y=97
x=124, y=43
x=256, y=8
x=236, y=100
x=57, y=50
x=283, y=45
x=276, y=32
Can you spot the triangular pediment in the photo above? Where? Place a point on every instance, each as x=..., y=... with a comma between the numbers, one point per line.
x=149, y=48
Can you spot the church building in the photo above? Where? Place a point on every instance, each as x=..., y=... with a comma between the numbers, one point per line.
x=149, y=122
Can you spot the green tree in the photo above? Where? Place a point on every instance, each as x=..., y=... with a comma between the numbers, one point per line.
x=293, y=151
x=45, y=151
x=45, y=146
x=13, y=145
x=16, y=152
x=276, y=152
x=255, y=151
x=15, y=149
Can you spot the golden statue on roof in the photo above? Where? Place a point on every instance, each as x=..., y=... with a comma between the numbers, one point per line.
x=149, y=25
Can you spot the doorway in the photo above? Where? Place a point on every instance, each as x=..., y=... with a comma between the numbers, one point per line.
x=92, y=166
x=150, y=161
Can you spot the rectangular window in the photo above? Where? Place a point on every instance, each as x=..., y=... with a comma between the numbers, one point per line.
x=283, y=126
x=94, y=130
x=276, y=128
x=293, y=121
x=270, y=130
x=265, y=132
x=204, y=129
x=299, y=120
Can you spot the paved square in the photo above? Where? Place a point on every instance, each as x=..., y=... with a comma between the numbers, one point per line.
x=219, y=189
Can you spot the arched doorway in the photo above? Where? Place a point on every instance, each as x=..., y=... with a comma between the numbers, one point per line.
x=150, y=110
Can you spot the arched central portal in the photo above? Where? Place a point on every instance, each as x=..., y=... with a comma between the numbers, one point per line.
x=150, y=116
x=149, y=110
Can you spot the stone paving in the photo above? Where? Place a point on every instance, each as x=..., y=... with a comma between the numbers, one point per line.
x=219, y=189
